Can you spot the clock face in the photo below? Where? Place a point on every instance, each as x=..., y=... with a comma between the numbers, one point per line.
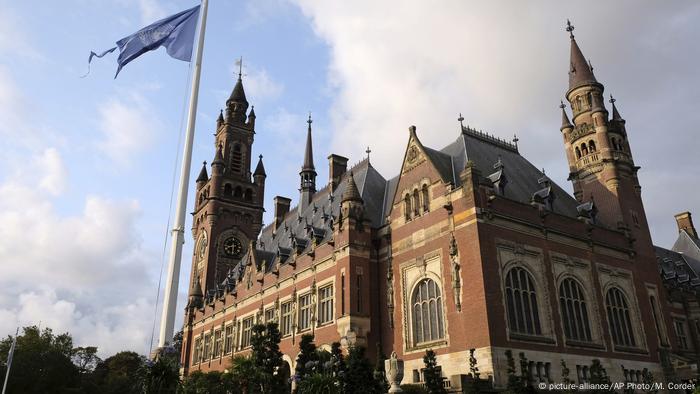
x=233, y=247
x=202, y=248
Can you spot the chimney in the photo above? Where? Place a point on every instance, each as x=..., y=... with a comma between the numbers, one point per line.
x=337, y=165
x=685, y=223
x=281, y=209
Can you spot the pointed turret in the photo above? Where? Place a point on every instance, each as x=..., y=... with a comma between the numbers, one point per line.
x=203, y=176
x=220, y=119
x=260, y=168
x=351, y=193
x=615, y=114
x=218, y=159
x=251, y=118
x=565, y=122
x=580, y=71
x=237, y=104
x=308, y=172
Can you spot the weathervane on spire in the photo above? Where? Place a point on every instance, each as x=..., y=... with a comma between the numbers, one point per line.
x=239, y=63
x=562, y=105
x=515, y=140
x=570, y=28
x=461, y=120
x=368, y=151
x=309, y=121
x=612, y=99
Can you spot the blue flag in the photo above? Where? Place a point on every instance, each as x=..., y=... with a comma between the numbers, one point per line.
x=175, y=33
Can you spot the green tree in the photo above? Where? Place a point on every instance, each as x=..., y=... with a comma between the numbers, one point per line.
x=265, y=340
x=358, y=377
x=41, y=363
x=306, y=358
x=515, y=385
x=379, y=373
x=245, y=373
x=118, y=374
x=214, y=382
x=598, y=376
x=472, y=386
x=160, y=376
x=432, y=374
x=318, y=383
x=338, y=359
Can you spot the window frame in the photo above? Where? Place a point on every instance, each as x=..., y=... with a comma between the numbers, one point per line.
x=305, y=311
x=246, y=332
x=228, y=339
x=425, y=305
x=533, y=326
x=326, y=307
x=286, y=319
x=620, y=314
x=577, y=327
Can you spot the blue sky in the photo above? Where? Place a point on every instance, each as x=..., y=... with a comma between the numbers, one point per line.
x=86, y=166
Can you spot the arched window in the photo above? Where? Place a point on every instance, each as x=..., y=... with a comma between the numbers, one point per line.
x=238, y=192
x=591, y=146
x=614, y=143
x=584, y=149
x=619, y=318
x=578, y=153
x=521, y=301
x=427, y=312
x=416, y=203
x=578, y=103
x=236, y=158
x=574, y=312
x=426, y=199
x=228, y=190
x=248, y=195
x=407, y=207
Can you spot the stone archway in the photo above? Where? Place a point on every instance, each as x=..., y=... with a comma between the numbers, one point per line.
x=286, y=371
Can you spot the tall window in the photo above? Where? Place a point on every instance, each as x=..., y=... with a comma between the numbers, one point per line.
x=655, y=315
x=270, y=315
x=426, y=199
x=358, y=289
x=228, y=339
x=521, y=301
x=407, y=207
x=305, y=311
x=427, y=312
x=197, y=351
x=573, y=310
x=325, y=304
x=217, y=344
x=679, y=325
x=247, y=331
x=416, y=203
x=619, y=318
x=207, y=347
x=342, y=293
x=286, y=328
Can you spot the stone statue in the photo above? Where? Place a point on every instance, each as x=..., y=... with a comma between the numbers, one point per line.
x=394, y=373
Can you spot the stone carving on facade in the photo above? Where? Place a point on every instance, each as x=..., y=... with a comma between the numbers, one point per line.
x=456, y=281
x=390, y=291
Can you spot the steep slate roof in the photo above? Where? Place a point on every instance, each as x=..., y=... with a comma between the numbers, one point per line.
x=298, y=228
x=677, y=269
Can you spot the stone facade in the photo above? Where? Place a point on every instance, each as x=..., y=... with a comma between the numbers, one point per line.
x=468, y=247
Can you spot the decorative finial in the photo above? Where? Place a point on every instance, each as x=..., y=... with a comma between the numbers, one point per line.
x=570, y=29
x=309, y=121
x=204, y=163
x=612, y=99
x=515, y=140
x=562, y=105
x=543, y=171
x=461, y=120
x=368, y=151
x=499, y=163
x=260, y=157
x=590, y=65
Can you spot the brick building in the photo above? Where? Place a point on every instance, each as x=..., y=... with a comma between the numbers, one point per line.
x=469, y=246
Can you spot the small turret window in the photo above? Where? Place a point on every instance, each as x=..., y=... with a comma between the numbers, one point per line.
x=591, y=146
x=615, y=146
x=238, y=192
x=584, y=149
x=228, y=190
x=248, y=195
x=578, y=153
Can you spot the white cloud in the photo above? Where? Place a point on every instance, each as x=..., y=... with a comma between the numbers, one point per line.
x=151, y=11
x=14, y=40
x=54, y=174
x=504, y=66
x=259, y=85
x=128, y=127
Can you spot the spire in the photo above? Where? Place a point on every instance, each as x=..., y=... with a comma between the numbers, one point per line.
x=580, y=71
x=615, y=114
x=238, y=94
x=351, y=192
x=309, y=152
x=565, y=122
x=237, y=104
x=220, y=120
x=260, y=168
x=218, y=158
x=203, y=177
x=251, y=115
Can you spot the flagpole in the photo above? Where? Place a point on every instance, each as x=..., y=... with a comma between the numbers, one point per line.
x=10, y=355
x=178, y=232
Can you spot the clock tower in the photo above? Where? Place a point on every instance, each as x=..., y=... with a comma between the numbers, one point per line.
x=228, y=207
